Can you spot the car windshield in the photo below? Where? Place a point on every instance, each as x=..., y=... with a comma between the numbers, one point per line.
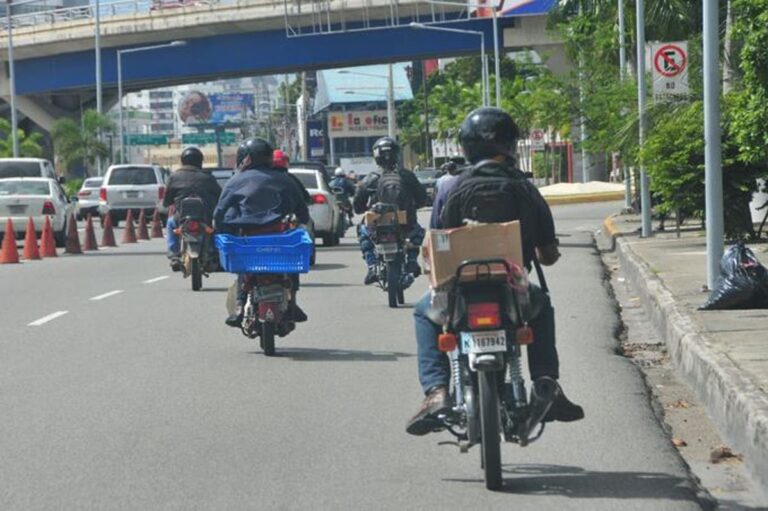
x=308, y=179
x=133, y=176
x=24, y=188
x=93, y=182
x=426, y=174
x=20, y=169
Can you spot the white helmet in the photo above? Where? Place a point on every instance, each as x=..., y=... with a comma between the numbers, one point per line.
x=339, y=172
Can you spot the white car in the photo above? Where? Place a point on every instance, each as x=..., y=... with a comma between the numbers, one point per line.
x=324, y=210
x=135, y=188
x=35, y=197
x=26, y=167
x=88, y=198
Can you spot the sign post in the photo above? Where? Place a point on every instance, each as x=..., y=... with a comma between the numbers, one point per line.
x=537, y=140
x=669, y=69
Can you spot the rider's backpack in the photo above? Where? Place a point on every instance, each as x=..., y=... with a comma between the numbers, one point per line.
x=390, y=189
x=490, y=193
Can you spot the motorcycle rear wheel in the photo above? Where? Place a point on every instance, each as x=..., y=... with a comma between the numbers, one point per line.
x=393, y=284
x=196, y=273
x=268, y=338
x=489, y=426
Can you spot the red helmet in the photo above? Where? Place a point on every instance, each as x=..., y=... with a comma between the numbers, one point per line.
x=280, y=159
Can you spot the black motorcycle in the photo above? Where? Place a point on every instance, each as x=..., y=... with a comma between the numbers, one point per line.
x=486, y=318
x=197, y=254
x=390, y=243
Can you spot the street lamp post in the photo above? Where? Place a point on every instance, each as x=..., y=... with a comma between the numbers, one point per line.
x=391, y=121
x=99, y=107
x=120, y=126
x=484, y=67
x=645, y=193
x=12, y=84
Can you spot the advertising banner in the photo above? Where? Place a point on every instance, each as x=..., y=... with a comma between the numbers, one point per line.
x=316, y=137
x=230, y=107
x=364, y=123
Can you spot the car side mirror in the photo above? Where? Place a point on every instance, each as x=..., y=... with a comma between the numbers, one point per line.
x=62, y=180
x=74, y=198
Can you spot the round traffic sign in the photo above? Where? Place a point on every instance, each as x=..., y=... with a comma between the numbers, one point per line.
x=537, y=134
x=670, y=60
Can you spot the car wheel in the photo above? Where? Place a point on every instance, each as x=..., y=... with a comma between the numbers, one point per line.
x=313, y=257
x=327, y=240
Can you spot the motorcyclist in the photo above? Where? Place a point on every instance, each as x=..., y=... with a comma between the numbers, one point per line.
x=280, y=161
x=256, y=200
x=189, y=180
x=340, y=181
x=489, y=138
x=450, y=171
x=412, y=196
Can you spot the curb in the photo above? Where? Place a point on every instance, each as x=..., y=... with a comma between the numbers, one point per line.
x=578, y=198
x=733, y=401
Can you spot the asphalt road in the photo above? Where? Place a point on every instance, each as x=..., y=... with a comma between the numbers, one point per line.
x=138, y=397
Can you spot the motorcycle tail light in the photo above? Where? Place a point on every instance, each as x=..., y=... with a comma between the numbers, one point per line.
x=193, y=226
x=446, y=342
x=48, y=208
x=319, y=198
x=484, y=315
x=103, y=194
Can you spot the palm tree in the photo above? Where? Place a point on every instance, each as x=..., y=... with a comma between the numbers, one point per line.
x=29, y=146
x=80, y=142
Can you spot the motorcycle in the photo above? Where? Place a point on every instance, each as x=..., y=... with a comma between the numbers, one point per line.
x=268, y=263
x=346, y=207
x=390, y=245
x=195, y=233
x=486, y=326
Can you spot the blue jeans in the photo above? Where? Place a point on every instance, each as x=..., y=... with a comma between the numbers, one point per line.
x=367, y=247
x=174, y=246
x=434, y=368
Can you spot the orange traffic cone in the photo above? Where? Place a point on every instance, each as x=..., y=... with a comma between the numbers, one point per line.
x=142, y=234
x=72, y=245
x=47, y=242
x=9, y=253
x=129, y=231
x=31, y=251
x=157, y=227
x=108, y=236
x=89, y=242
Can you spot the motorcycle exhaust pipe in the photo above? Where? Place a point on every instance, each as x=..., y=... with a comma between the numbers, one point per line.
x=543, y=394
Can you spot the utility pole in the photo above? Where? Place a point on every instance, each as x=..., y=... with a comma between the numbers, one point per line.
x=427, y=142
x=97, y=22
x=645, y=192
x=585, y=163
x=713, y=174
x=623, y=71
x=12, y=78
x=390, y=104
x=304, y=116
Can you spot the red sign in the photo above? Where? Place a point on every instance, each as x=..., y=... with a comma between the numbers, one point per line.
x=670, y=60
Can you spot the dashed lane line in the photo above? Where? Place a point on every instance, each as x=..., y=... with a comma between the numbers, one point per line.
x=46, y=319
x=106, y=295
x=156, y=279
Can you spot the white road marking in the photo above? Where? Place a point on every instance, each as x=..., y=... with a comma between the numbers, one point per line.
x=156, y=279
x=46, y=319
x=106, y=295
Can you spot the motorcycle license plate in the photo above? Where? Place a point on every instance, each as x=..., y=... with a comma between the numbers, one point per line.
x=484, y=342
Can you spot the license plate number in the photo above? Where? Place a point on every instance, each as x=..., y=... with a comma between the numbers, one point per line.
x=484, y=342
x=131, y=195
x=17, y=209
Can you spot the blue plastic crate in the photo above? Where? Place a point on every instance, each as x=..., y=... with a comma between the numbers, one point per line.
x=287, y=252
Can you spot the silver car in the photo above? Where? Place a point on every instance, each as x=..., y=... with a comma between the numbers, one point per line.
x=88, y=198
x=36, y=198
x=132, y=187
x=324, y=209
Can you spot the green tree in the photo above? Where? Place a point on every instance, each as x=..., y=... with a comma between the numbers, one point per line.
x=29, y=146
x=76, y=143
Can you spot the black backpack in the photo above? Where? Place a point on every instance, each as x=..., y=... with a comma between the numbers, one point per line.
x=490, y=192
x=390, y=189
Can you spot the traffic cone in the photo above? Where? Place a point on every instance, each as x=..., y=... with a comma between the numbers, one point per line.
x=31, y=251
x=9, y=253
x=157, y=227
x=89, y=242
x=47, y=241
x=72, y=245
x=129, y=231
x=108, y=236
x=142, y=234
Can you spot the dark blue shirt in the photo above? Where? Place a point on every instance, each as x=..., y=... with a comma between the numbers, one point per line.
x=258, y=197
x=344, y=184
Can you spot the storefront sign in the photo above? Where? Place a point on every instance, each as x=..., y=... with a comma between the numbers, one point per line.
x=368, y=123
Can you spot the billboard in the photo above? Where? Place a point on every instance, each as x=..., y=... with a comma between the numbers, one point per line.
x=316, y=139
x=364, y=123
x=229, y=107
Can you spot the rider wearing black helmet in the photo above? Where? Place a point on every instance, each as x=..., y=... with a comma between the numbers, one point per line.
x=187, y=181
x=257, y=198
x=489, y=139
x=394, y=185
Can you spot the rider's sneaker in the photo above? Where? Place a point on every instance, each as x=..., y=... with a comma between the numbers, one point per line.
x=176, y=264
x=563, y=410
x=371, y=276
x=413, y=268
x=425, y=421
x=236, y=319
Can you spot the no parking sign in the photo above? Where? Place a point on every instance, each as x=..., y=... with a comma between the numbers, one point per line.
x=669, y=66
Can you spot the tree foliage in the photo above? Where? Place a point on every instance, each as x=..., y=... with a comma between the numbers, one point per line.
x=79, y=142
x=29, y=145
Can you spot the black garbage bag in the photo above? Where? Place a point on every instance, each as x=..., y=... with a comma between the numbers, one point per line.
x=742, y=284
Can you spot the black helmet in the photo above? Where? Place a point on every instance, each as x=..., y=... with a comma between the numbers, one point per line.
x=449, y=167
x=488, y=132
x=386, y=152
x=192, y=157
x=254, y=152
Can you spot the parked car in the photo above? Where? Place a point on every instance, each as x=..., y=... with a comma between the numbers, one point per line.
x=27, y=167
x=88, y=198
x=35, y=197
x=428, y=178
x=132, y=187
x=324, y=209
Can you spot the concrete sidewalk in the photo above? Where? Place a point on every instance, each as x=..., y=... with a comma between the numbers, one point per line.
x=722, y=355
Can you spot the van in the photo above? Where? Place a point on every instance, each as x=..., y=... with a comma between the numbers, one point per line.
x=132, y=187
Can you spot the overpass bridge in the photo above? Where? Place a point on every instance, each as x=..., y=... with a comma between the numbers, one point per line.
x=54, y=51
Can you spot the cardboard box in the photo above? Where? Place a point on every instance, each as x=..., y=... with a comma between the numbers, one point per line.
x=372, y=219
x=445, y=250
